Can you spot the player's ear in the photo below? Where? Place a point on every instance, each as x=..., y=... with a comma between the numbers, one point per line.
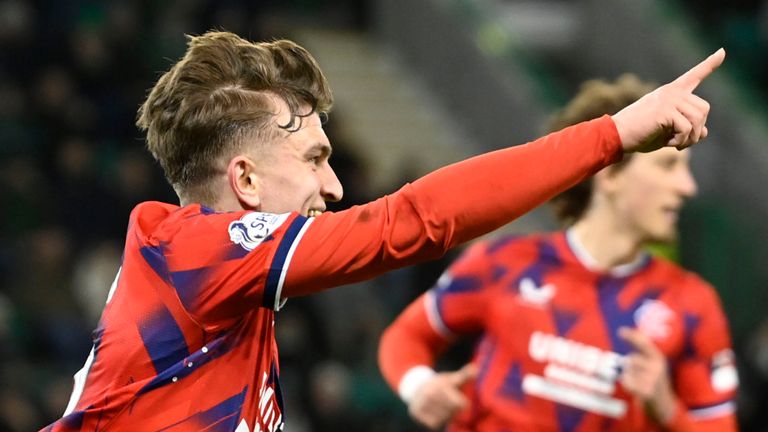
x=244, y=181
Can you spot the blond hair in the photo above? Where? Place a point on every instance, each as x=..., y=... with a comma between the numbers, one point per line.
x=217, y=96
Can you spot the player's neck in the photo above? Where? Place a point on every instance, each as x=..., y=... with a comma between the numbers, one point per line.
x=606, y=243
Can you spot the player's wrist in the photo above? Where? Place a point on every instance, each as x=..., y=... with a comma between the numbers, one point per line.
x=664, y=403
x=623, y=123
x=413, y=380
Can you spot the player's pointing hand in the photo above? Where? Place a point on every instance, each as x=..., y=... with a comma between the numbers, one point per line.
x=440, y=398
x=645, y=375
x=671, y=115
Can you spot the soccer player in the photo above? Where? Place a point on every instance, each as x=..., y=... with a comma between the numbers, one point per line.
x=579, y=330
x=186, y=340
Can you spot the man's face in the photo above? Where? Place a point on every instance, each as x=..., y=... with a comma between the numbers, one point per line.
x=294, y=173
x=648, y=193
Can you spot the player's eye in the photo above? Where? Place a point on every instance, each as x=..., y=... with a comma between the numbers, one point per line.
x=667, y=163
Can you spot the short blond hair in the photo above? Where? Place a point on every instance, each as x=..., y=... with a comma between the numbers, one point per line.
x=217, y=96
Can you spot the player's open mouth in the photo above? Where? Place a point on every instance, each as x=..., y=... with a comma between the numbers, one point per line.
x=314, y=213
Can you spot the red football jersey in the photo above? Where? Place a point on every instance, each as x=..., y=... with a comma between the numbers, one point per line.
x=549, y=355
x=186, y=341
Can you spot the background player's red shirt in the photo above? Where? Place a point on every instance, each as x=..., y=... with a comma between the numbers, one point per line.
x=549, y=354
x=186, y=341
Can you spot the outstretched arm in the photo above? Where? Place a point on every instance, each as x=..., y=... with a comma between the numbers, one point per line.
x=422, y=220
x=470, y=198
x=456, y=305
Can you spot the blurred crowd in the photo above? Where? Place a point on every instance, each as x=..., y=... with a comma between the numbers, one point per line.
x=72, y=166
x=742, y=27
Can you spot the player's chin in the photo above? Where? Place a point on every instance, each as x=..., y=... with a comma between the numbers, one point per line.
x=664, y=236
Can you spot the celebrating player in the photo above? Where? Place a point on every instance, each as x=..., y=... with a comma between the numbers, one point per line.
x=186, y=340
x=580, y=330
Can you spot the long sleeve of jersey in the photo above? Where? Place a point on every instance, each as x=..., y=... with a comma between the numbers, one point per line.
x=428, y=326
x=447, y=207
x=222, y=265
x=408, y=343
x=705, y=377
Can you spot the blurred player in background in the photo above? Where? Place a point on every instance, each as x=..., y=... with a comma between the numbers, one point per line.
x=187, y=341
x=580, y=330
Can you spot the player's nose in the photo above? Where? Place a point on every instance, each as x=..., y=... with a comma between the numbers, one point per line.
x=686, y=183
x=330, y=186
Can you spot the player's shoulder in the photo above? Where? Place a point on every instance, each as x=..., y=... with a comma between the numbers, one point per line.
x=677, y=273
x=683, y=281
x=507, y=250
x=156, y=218
x=162, y=221
x=148, y=216
x=152, y=210
x=196, y=225
x=513, y=242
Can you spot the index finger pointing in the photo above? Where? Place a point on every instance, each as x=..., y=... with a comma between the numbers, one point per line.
x=695, y=75
x=465, y=374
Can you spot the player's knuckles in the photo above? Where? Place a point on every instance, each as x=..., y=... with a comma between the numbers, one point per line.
x=698, y=118
x=693, y=114
x=705, y=106
x=439, y=401
x=429, y=403
x=683, y=137
x=699, y=103
x=435, y=390
x=683, y=125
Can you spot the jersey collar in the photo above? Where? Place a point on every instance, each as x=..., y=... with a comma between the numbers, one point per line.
x=589, y=262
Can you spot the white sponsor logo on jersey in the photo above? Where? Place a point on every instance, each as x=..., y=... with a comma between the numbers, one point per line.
x=575, y=374
x=251, y=229
x=269, y=418
x=535, y=294
x=243, y=427
x=588, y=359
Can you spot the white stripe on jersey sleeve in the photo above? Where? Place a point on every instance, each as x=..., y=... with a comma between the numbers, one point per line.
x=434, y=317
x=720, y=410
x=279, y=302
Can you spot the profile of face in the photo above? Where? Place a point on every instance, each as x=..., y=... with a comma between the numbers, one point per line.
x=292, y=171
x=648, y=193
